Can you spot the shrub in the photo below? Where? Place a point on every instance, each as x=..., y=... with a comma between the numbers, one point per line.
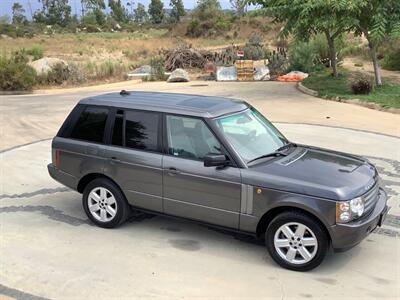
x=16, y=74
x=254, y=48
x=194, y=28
x=391, y=61
x=157, y=68
x=277, y=62
x=361, y=85
x=302, y=57
x=36, y=51
x=76, y=75
x=56, y=76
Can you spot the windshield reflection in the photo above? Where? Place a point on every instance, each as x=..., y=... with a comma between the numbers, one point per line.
x=250, y=134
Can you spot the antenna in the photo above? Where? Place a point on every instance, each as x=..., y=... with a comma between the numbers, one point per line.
x=124, y=93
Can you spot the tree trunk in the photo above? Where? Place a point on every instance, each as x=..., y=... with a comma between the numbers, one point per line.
x=374, y=56
x=377, y=69
x=332, y=54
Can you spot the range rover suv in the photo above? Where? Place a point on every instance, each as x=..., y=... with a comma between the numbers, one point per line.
x=216, y=161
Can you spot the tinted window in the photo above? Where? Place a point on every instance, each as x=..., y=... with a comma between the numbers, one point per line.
x=141, y=130
x=117, y=131
x=190, y=138
x=90, y=125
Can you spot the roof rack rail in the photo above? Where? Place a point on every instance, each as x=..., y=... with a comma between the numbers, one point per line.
x=124, y=93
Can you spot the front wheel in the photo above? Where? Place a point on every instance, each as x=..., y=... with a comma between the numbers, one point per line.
x=296, y=241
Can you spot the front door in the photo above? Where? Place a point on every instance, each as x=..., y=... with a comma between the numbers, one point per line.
x=209, y=194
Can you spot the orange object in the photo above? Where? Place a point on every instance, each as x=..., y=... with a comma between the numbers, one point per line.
x=290, y=78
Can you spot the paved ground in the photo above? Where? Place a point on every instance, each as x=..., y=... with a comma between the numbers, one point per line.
x=49, y=249
x=280, y=102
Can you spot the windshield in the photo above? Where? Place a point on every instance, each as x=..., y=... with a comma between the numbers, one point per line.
x=250, y=134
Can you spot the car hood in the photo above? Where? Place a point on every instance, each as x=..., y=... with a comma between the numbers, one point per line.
x=315, y=172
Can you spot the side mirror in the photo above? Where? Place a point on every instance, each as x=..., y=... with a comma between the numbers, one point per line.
x=215, y=160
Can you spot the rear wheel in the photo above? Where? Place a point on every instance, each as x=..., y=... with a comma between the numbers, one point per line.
x=296, y=241
x=104, y=203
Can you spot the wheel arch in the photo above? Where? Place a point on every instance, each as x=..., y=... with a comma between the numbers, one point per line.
x=268, y=216
x=85, y=180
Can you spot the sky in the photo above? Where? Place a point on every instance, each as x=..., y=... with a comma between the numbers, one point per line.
x=5, y=5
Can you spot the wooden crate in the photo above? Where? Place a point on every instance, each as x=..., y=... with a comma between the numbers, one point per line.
x=245, y=70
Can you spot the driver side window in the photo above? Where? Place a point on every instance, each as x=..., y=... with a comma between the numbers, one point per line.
x=190, y=138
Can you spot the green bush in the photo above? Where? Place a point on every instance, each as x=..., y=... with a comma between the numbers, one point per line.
x=56, y=76
x=157, y=69
x=36, y=51
x=302, y=57
x=16, y=74
x=194, y=28
x=254, y=48
x=391, y=61
x=277, y=62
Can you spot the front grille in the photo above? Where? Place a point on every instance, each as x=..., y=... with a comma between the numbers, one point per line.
x=370, y=198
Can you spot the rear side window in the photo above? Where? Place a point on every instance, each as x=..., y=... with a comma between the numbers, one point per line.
x=141, y=130
x=91, y=124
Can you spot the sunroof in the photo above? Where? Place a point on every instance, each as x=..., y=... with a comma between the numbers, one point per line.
x=199, y=102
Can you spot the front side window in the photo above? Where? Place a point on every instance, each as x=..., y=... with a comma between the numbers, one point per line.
x=91, y=124
x=141, y=130
x=250, y=134
x=190, y=138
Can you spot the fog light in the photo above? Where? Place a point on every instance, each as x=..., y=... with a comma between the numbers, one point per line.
x=344, y=217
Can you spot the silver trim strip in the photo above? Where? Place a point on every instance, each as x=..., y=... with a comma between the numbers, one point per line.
x=249, y=210
x=246, y=203
x=243, y=199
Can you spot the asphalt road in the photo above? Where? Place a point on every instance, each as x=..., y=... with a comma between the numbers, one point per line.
x=49, y=249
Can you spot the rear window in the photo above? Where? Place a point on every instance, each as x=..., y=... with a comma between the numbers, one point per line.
x=141, y=130
x=90, y=125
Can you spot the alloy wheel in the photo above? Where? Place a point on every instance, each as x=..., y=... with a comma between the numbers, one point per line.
x=295, y=243
x=102, y=204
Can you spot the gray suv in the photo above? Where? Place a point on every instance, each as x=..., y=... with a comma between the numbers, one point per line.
x=217, y=161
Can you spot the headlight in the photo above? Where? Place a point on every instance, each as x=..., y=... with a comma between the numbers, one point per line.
x=347, y=211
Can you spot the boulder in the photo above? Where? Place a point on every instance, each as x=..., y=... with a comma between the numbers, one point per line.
x=179, y=75
x=146, y=69
x=142, y=71
x=261, y=73
x=44, y=65
x=5, y=36
x=226, y=73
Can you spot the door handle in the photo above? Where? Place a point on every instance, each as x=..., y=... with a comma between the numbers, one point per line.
x=114, y=159
x=172, y=171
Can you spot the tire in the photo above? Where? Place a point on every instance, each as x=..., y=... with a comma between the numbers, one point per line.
x=289, y=248
x=111, y=210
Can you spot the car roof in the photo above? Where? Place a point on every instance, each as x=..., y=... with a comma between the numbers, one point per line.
x=185, y=104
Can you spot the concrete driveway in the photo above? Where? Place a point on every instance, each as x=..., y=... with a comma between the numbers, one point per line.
x=49, y=249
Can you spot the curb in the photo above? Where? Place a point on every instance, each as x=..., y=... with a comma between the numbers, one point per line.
x=306, y=90
x=11, y=93
x=369, y=105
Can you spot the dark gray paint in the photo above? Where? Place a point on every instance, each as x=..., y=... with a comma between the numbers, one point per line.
x=201, y=193
x=186, y=104
x=139, y=175
x=309, y=178
x=317, y=172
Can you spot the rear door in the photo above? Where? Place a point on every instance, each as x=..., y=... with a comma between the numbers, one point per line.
x=191, y=190
x=134, y=158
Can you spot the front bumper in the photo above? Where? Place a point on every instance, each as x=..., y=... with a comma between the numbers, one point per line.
x=346, y=236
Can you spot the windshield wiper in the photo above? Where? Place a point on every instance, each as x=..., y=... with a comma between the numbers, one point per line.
x=286, y=146
x=278, y=152
x=275, y=153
